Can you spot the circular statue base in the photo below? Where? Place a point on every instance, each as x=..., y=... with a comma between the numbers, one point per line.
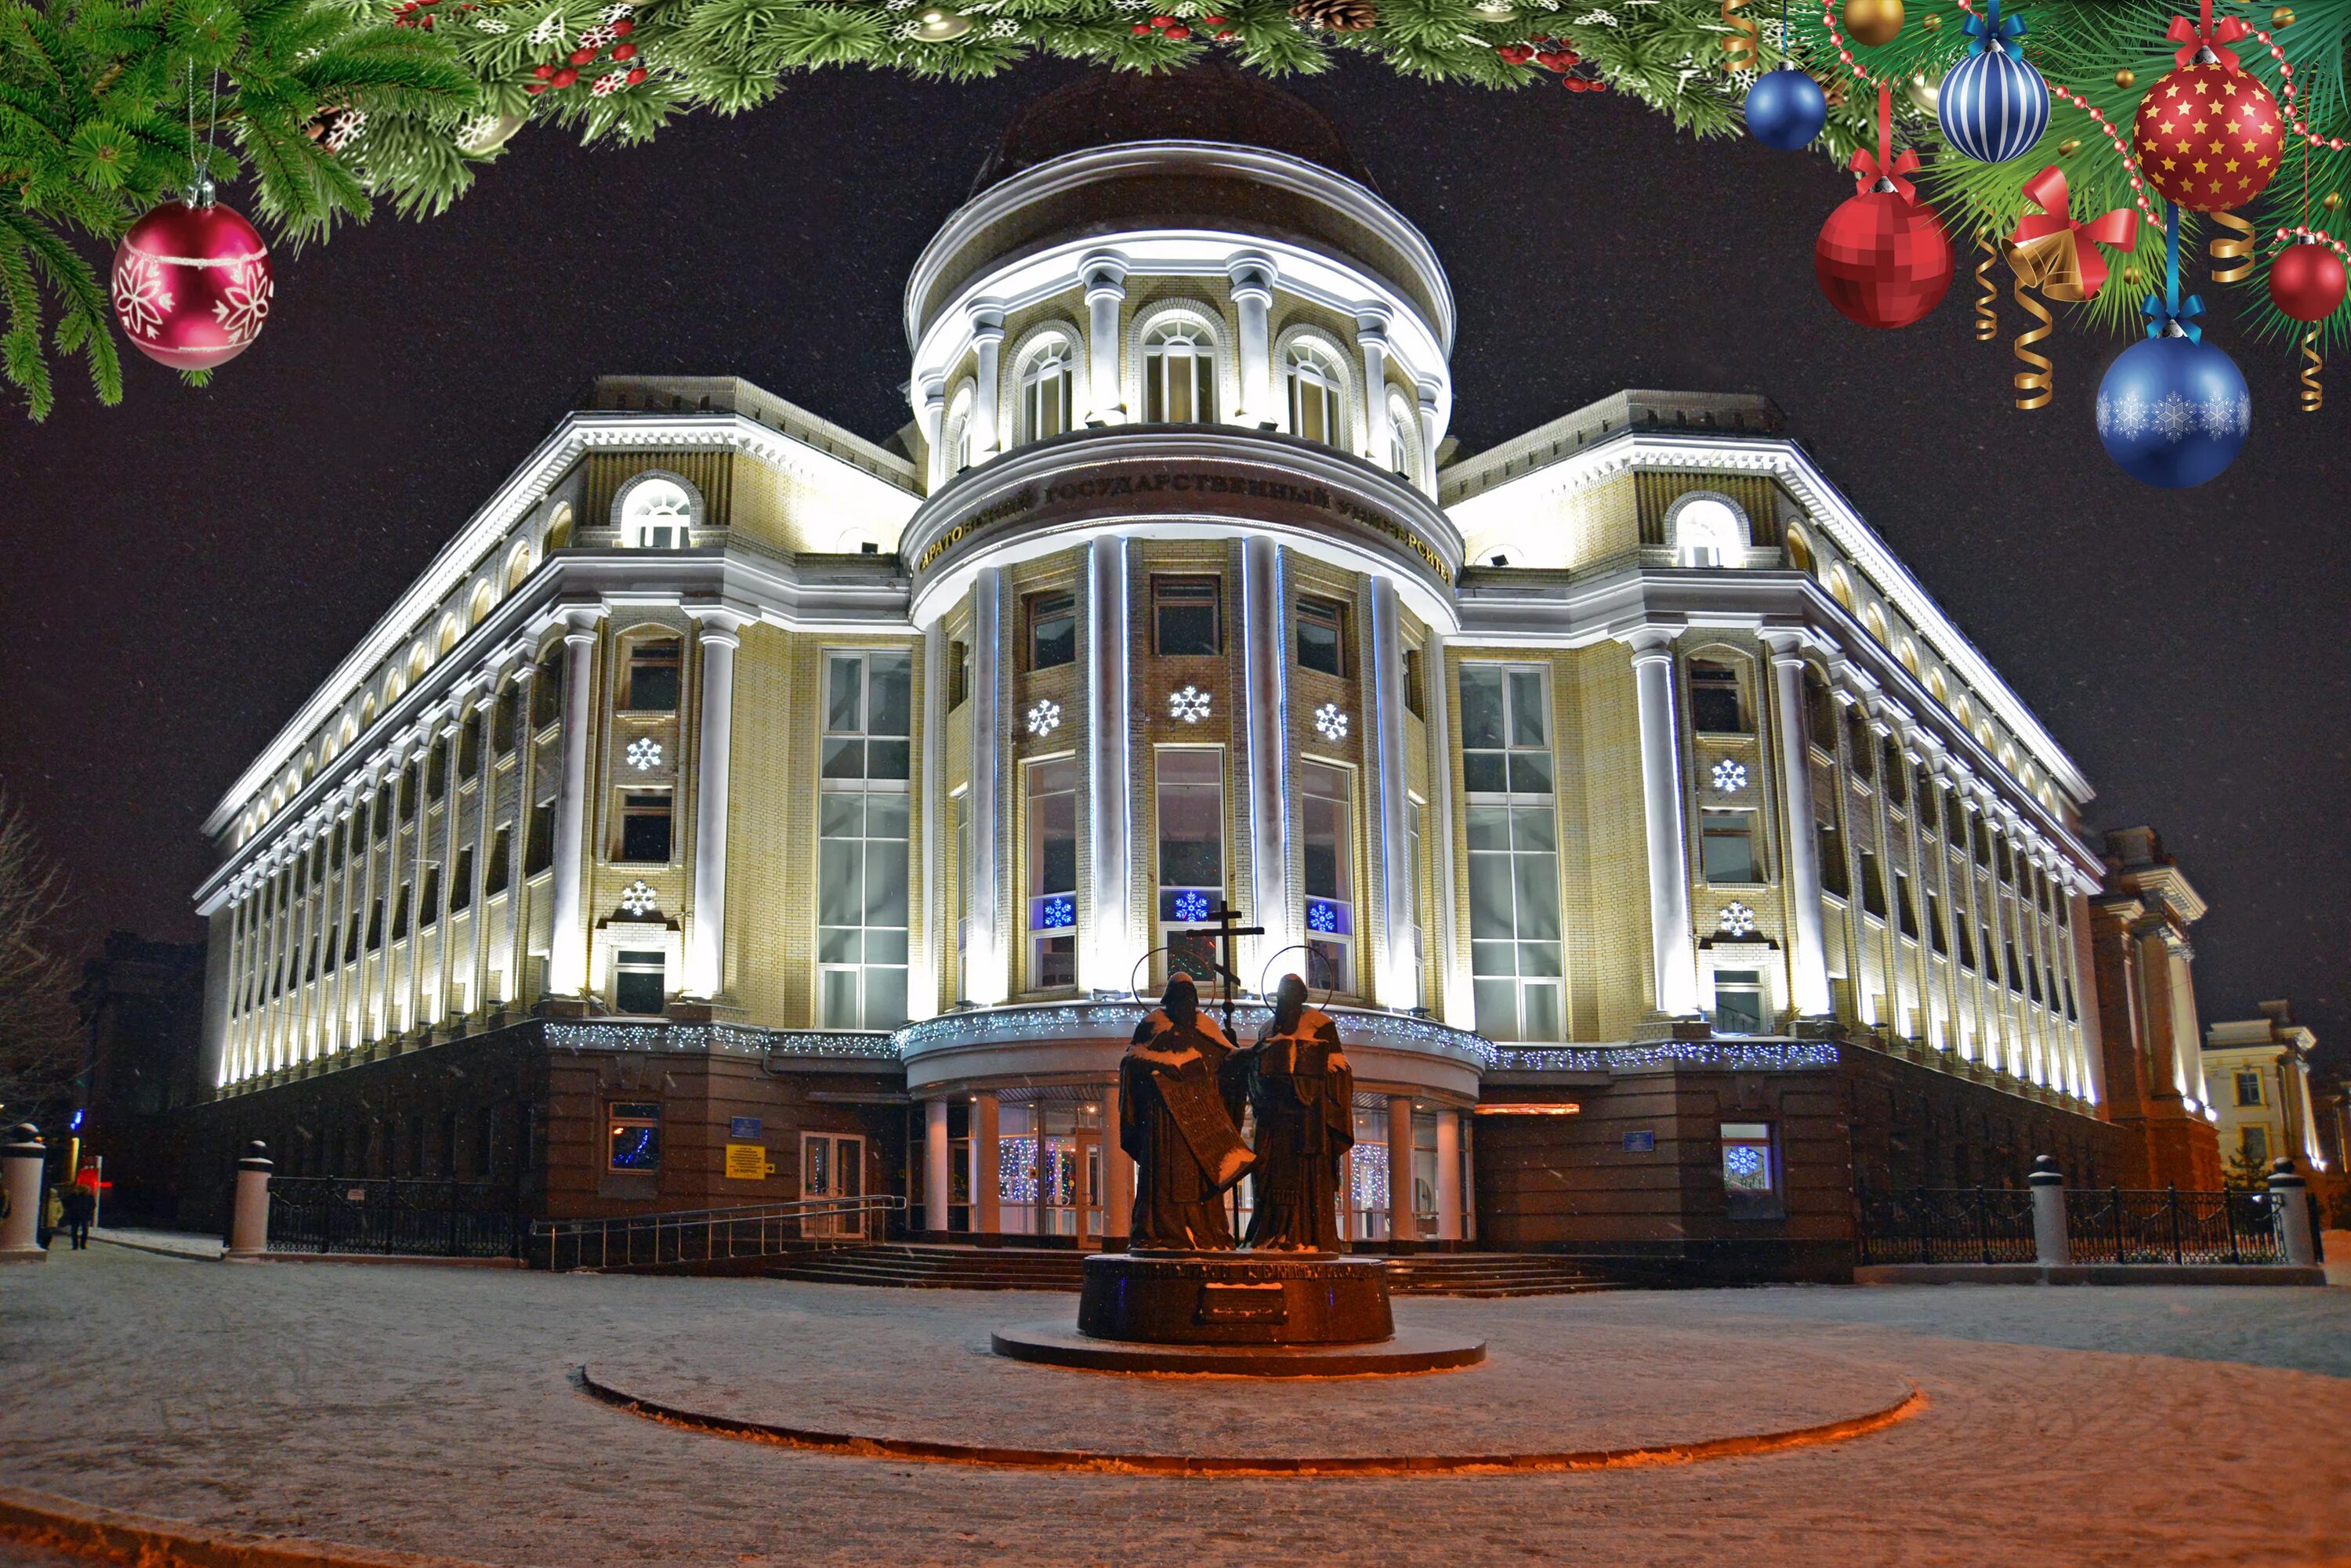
x=1412, y=1350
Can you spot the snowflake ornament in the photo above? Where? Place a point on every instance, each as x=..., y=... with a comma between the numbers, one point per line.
x=612, y=14
x=644, y=753
x=1003, y=28
x=1738, y=919
x=1191, y=906
x=1330, y=723
x=1730, y=777
x=608, y=83
x=1189, y=704
x=599, y=37
x=1044, y=718
x=492, y=26
x=550, y=29
x=639, y=898
x=243, y=308
x=139, y=297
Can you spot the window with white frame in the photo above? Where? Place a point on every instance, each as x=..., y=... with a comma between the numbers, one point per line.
x=1738, y=1001
x=1517, y=976
x=956, y=441
x=1190, y=785
x=1051, y=802
x=1708, y=532
x=1047, y=388
x=861, y=840
x=1404, y=436
x=657, y=514
x=1315, y=386
x=1326, y=809
x=2249, y=1087
x=1179, y=374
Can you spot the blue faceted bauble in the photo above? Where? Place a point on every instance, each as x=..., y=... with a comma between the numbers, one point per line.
x=1786, y=109
x=1993, y=108
x=2173, y=411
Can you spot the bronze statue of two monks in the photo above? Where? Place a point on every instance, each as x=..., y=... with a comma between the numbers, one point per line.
x=1182, y=1091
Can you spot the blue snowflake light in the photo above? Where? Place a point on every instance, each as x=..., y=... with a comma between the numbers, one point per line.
x=1323, y=917
x=1191, y=906
x=1058, y=914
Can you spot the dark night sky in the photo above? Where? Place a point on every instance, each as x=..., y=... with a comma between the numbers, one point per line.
x=196, y=562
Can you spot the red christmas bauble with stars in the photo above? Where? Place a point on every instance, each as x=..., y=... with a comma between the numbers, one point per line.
x=2209, y=137
x=1882, y=259
x=191, y=284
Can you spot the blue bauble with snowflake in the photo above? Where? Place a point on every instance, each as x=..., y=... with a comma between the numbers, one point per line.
x=2173, y=411
x=1786, y=109
x=1993, y=105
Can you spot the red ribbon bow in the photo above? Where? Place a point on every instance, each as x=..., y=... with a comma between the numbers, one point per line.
x=1868, y=171
x=2191, y=38
x=2119, y=229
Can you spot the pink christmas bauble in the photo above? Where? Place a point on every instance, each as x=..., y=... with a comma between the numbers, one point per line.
x=191, y=285
x=1882, y=259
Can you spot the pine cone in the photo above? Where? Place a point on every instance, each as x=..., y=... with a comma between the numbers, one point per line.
x=1338, y=16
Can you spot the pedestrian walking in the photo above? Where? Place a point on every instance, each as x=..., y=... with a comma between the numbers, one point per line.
x=80, y=1207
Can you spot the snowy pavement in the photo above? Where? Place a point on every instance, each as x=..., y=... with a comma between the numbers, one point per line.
x=431, y=1410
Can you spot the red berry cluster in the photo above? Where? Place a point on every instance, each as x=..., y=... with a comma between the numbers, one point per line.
x=1552, y=54
x=1172, y=28
x=417, y=13
x=615, y=41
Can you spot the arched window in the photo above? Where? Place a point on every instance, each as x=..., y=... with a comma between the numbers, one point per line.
x=1046, y=390
x=1179, y=374
x=1841, y=587
x=482, y=599
x=957, y=439
x=1907, y=652
x=1314, y=387
x=1708, y=531
x=1799, y=550
x=518, y=566
x=656, y=515
x=446, y=637
x=1404, y=437
x=559, y=529
x=1875, y=620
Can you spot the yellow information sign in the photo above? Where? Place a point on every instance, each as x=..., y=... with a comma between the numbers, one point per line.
x=747, y=1162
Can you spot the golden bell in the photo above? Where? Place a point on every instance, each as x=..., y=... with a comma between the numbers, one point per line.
x=1931, y=23
x=1924, y=90
x=937, y=25
x=2130, y=274
x=2331, y=201
x=2068, y=146
x=2052, y=264
x=2282, y=17
x=1873, y=22
x=2126, y=78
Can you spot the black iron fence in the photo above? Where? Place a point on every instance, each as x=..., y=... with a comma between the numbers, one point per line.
x=411, y=1217
x=741, y=1233
x=2114, y=1225
x=1947, y=1225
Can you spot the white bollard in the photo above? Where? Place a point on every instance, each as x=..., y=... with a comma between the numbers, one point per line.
x=248, y=1229
x=2052, y=1246
x=23, y=1160
x=2290, y=1206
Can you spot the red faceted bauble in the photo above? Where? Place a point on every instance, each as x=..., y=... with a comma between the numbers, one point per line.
x=2306, y=281
x=191, y=285
x=2209, y=137
x=1882, y=259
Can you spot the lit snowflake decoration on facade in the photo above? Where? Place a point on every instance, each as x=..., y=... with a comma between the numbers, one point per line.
x=644, y=752
x=1730, y=777
x=1738, y=919
x=1743, y=1160
x=1330, y=723
x=1322, y=918
x=1058, y=914
x=1191, y=906
x=1044, y=718
x=638, y=898
x=1190, y=705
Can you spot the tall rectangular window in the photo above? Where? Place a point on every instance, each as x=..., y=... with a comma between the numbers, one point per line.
x=1322, y=635
x=1872, y=884
x=1186, y=616
x=1419, y=947
x=958, y=674
x=961, y=807
x=1505, y=731
x=1738, y=1001
x=653, y=676
x=1835, y=877
x=1514, y=920
x=546, y=692
x=635, y=1136
x=399, y=912
x=538, y=841
x=1326, y=809
x=1415, y=682
x=429, y=901
x=495, y=874
x=469, y=747
x=862, y=830
x=2249, y=1088
x=1179, y=376
x=1904, y=909
x=436, y=770
x=1052, y=873
x=639, y=982
x=1051, y=630
x=1935, y=927
x=646, y=827
x=1190, y=781
x=1727, y=846
x=1715, y=705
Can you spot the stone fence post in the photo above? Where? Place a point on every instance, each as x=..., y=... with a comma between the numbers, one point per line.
x=2052, y=1246
x=248, y=1231
x=22, y=1159
x=2290, y=1210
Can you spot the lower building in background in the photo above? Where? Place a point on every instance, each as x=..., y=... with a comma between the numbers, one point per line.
x=2146, y=1005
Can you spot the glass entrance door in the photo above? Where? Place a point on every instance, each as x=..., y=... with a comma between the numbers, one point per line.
x=832, y=1165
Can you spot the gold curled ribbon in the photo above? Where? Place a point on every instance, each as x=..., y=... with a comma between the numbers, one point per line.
x=2239, y=249
x=2313, y=396
x=1740, y=47
x=2036, y=382
x=1987, y=311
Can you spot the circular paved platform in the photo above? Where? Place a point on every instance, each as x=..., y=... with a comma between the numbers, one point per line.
x=1405, y=1352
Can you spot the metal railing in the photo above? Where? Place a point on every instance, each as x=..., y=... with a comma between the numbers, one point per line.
x=2115, y=1225
x=743, y=1233
x=400, y=1216
x=1947, y=1225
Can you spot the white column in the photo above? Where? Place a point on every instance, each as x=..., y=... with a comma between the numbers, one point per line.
x=1265, y=670
x=1432, y=430
x=1252, y=289
x=518, y=843
x=934, y=1166
x=453, y=803
x=1107, y=951
x=1661, y=801
x=1105, y=281
x=987, y=343
x=1809, y=961
x=272, y=973
x=930, y=412
x=1403, y=1226
x=1454, y=995
x=939, y=920
x=486, y=812
x=1449, y=1173
x=1470, y=1177
x=705, y=960
x=985, y=949
x=566, y=948
x=1372, y=339
x=1118, y=1171
x=1394, y=982
x=339, y=924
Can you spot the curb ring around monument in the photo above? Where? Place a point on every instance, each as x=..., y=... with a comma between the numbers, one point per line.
x=1912, y=1401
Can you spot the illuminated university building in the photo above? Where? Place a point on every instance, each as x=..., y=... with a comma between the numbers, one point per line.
x=1672, y=863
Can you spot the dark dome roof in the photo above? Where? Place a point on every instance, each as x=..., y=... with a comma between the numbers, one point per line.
x=1201, y=103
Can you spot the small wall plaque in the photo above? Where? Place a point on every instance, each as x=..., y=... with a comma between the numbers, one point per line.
x=1641, y=1143
x=743, y=1128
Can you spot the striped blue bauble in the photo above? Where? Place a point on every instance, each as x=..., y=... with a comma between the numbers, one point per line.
x=1994, y=105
